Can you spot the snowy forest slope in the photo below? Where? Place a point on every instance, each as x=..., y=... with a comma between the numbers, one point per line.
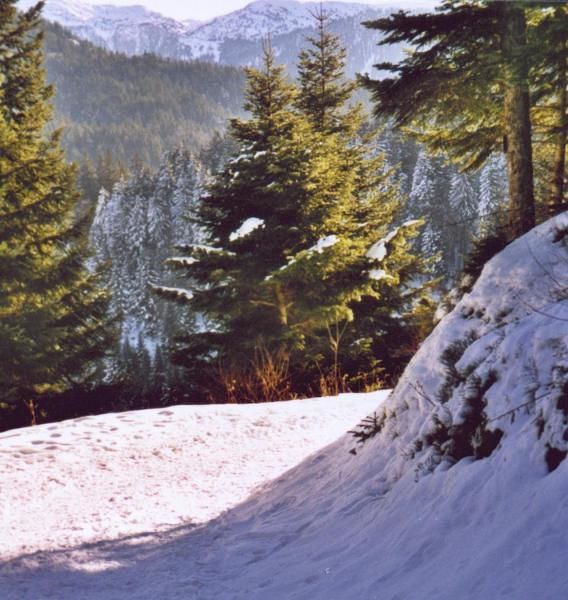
x=459, y=494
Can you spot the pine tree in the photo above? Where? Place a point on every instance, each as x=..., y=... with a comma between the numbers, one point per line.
x=400, y=154
x=463, y=204
x=324, y=93
x=187, y=175
x=215, y=155
x=548, y=40
x=466, y=88
x=492, y=194
x=109, y=171
x=133, y=233
x=297, y=230
x=51, y=311
x=247, y=218
x=88, y=182
x=428, y=201
x=354, y=300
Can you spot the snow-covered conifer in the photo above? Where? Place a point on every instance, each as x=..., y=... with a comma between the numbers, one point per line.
x=493, y=193
x=134, y=231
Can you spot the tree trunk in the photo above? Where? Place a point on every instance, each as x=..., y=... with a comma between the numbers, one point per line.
x=517, y=120
x=282, y=305
x=559, y=161
x=31, y=407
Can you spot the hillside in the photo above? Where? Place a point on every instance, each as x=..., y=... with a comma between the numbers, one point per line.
x=141, y=105
x=461, y=492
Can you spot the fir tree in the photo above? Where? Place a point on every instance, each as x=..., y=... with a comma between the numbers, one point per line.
x=248, y=217
x=466, y=88
x=548, y=41
x=88, y=182
x=428, y=201
x=492, y=194
x=109, y=171
x=133, y=233
x=324, y=93
x=463, y=204
x=359, y=189
x=399, y=152
x=51, y=327
x=297, y=230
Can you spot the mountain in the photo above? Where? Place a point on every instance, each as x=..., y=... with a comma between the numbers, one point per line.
x=132, y=30
x=232, y=39
x=236, y=39
x=135, y=106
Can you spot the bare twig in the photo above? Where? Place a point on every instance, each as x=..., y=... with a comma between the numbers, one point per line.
x=419, y=389
x=513, y=410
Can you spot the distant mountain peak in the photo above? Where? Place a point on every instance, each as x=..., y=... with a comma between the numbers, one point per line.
x=192, y=24
x=68, y=12
x=232, y=39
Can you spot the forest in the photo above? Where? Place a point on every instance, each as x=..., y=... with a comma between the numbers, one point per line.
x=307, y=250
x=136, y=107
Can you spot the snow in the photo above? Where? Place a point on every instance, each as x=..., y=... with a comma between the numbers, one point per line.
x=260, y=19
x=127, y=29
x=126, y=474
x=238, y=159
x=176, y=292
x=378, y=251
x=137, y=30
x=183, y=261
x=73, y=13
x=70, y=10
x=398, y=517
x=326, y=242
x=378, y=274
x=204, y=248
x=246, y=228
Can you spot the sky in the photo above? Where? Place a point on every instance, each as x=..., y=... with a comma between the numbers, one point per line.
x=202, y=10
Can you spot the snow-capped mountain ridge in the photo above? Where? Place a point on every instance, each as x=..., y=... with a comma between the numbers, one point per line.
x=70, y=12
x=274, y=17
x=234, y=38
x=129, y=29
x=263, y=18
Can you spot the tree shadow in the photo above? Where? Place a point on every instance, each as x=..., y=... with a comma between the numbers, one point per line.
x=165, y=564
x=190, y=561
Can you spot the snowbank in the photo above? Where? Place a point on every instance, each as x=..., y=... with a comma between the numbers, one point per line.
x=456, y=497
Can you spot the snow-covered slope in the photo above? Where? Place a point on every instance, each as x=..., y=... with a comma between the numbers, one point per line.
x=233, y=39
x=460, y=495
x=128, y=29
x=236, y=38
x=273, y=17
x=133, y=473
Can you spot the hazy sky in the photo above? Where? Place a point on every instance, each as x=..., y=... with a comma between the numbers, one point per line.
x=206, y=9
